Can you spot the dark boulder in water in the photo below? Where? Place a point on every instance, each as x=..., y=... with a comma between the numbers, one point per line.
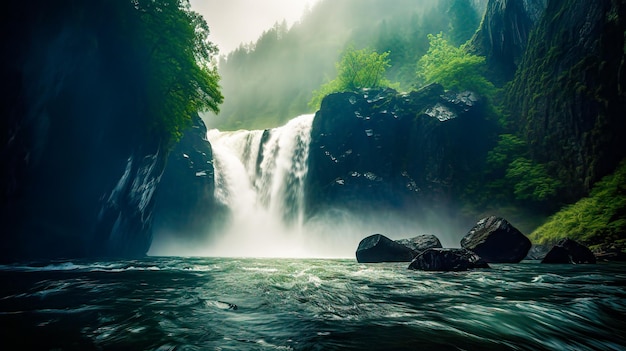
x=496, y=241
x=538, y=252
x=421, y=242
x=569, y=251
x=379, y=248
x=447, y=260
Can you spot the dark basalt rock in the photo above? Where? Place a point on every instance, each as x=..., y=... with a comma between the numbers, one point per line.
x=185, y=201
x=421, y=242
x=504, y=32
x=569, y=251
x=378, y=248
x=538, y=252
x=400, y=151
x=496, y=241
x=569, y=90
x=447, y=260
x=79, y=167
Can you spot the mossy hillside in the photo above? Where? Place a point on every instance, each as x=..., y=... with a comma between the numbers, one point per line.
x=596, y=220
x=566, y=100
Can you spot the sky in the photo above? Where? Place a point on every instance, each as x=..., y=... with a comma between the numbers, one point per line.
x=233, y=22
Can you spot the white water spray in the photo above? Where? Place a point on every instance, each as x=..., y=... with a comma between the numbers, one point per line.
x=260, y=177
x=263, y=188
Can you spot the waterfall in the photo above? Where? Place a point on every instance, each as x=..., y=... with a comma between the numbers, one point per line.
x=260, y=176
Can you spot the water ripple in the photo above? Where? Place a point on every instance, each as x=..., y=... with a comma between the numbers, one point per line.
x=280, y=304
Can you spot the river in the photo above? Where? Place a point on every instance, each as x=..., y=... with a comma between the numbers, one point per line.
x=177, y=303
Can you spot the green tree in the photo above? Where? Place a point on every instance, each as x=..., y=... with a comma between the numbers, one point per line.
x=531, y=181
x=178, y=64
x=357, y=69
x=464, y=20
x=453, y=67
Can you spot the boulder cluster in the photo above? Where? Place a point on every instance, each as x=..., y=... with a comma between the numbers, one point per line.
x=492, y=240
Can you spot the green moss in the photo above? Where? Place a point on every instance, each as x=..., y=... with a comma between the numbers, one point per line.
x=599, y=219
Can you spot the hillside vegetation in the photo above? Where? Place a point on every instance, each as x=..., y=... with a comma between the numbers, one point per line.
x=268, y=82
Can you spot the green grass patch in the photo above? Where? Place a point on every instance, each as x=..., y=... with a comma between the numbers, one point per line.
x=596, y=220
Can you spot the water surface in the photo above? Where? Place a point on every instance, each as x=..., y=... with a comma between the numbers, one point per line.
x=167, y=303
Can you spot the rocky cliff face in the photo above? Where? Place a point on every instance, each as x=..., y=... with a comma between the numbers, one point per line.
x=185, y=202
x=78, y=170
x=398, y=151
x=568, y=95
x=503, y=34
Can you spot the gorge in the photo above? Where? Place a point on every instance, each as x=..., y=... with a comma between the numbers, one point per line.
x=374, y=155
x=158, y=196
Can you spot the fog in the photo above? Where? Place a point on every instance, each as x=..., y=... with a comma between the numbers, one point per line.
x=262, y=184
x=336, y=233
x=234, y=22
x=271, y=80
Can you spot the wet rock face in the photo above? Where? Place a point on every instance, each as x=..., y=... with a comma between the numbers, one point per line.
x=378, y=248
x=496, y=241
x=396, y=150
x=503, y=35
x=447, y=260
x=577, y=48
x=538, y=252
x=185, y=202
x=79, y=169
x=569, y=251
x=421, y=242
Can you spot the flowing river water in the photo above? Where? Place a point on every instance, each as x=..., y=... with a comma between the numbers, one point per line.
x=176, y=303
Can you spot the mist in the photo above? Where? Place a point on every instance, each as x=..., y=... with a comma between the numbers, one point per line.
x=271, y=80
x=336, y=233
x=260, y=177
x=268, y=82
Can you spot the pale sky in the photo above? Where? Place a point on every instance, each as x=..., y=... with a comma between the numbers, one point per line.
x=233, y=22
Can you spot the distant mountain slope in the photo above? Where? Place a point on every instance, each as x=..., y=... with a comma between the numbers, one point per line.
x=268, y=82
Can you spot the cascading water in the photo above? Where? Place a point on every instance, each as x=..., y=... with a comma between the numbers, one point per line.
x=260, y=176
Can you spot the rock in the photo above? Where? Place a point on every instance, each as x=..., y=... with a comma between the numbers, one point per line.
x=185, y=201
x=555, y=73
x=447, y=260
x=80, y=157
x=496, y=241
x=537, y=252
x=569, y=251
x=378, y=248
x=421, y=242
x=610, y=254
x=399, y=151
x=503, y=34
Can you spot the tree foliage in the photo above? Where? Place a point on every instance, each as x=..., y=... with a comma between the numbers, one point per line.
x=510, y=174
x=267, y=82
x=176, y=56
x=357, y=69
x=531, y=181
x=453, y=67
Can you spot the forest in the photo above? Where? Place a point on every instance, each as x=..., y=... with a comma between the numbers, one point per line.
x=273, y=79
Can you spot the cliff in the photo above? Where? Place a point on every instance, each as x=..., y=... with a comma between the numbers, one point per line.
x=503, y=35
x=185, y=202
x=382, y=149
x=79, y=169
x=567, y=97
